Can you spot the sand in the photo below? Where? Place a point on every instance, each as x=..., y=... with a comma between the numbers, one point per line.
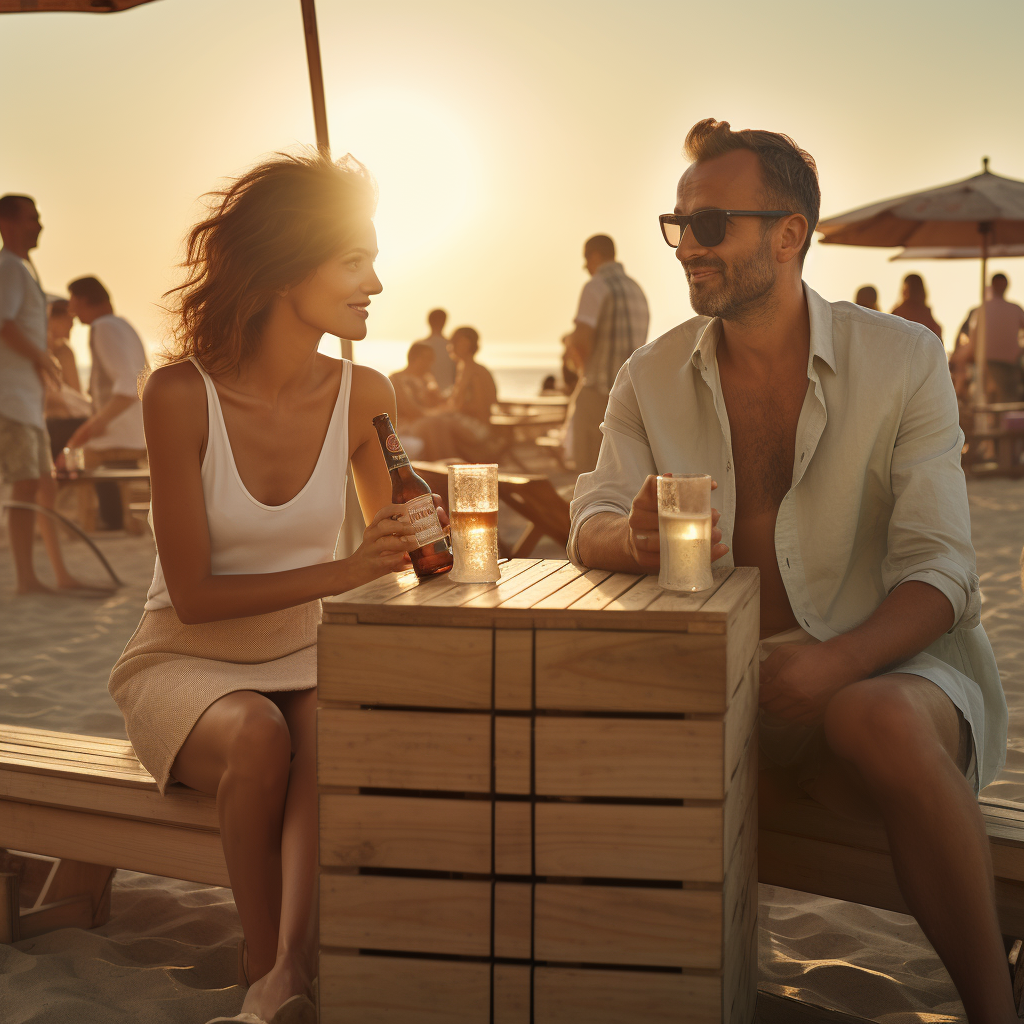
x=168, y=951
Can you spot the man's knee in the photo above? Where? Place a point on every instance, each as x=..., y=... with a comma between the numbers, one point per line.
x=876, y=727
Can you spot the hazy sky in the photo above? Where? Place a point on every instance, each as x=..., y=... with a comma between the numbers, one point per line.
x=501, y=134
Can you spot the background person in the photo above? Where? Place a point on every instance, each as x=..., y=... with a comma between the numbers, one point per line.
x=27, y=371
x=1004, y=321
x=444, y=365
x=66, y=410
x=867, y=296
x=611, y=323
x=113, y=435
x=914, y=305
x=416, y=394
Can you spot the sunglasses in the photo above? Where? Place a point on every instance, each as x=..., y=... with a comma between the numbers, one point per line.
x=708, y=226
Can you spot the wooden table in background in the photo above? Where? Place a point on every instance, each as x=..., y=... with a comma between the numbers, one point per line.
x=538, y=800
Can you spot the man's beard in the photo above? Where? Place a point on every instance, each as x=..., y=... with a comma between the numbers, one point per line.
x=741, y=289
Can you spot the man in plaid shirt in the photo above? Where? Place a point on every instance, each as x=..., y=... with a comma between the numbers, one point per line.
x=611, y=324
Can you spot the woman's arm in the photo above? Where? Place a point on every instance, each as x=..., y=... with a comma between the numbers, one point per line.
x=69, y=368
x=174, y=409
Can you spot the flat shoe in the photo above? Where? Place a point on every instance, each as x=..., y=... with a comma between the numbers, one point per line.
x=297, y=1010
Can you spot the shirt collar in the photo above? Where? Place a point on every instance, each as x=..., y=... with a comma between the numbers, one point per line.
x=820, y=313
x=612, y=267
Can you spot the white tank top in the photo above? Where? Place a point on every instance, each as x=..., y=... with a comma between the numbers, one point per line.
x=247, y=536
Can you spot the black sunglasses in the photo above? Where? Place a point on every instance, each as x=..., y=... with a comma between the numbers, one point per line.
x=708, y=226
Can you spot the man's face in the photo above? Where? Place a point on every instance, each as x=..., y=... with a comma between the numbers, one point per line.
x=734, y=276
x=592, y=260
x=23, y=230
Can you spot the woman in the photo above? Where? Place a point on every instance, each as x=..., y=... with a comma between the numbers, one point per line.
x=67, y=409
x=250, y=431
x=914, y=304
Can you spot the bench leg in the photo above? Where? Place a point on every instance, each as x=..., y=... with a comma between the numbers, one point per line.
x=9, y=930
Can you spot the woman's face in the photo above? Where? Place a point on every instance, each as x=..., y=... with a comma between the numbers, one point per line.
x=335, y=298
x=59, y=326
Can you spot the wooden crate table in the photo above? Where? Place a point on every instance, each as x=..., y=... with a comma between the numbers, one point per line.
x=538, y=800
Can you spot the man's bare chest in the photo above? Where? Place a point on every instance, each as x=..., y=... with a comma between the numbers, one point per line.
x=763, y=424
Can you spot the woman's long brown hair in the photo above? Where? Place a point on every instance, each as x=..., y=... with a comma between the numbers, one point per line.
x=268, y=230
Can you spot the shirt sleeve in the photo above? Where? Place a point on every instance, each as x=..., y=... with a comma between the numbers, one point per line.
x=119, y=359
x=591, y=300
x=624, y=464
x=929, y=536
x=12, y=290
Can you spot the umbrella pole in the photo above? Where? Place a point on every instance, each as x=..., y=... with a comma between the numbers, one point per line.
x=316, y=75
x=980, y=349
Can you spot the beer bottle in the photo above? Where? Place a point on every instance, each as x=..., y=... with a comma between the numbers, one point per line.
x=410, y=489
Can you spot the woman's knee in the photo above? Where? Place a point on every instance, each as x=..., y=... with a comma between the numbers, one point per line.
x=257, y=740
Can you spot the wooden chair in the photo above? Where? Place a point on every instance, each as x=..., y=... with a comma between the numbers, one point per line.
x=804, y=846
x=533, y=497
x=72, y=809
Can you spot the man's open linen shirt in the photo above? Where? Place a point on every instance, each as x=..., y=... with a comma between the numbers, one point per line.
x=878, y=497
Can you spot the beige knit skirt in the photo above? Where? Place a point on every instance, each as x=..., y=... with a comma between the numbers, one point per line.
x=170, y=673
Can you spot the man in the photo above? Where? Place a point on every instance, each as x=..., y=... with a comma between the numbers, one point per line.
x=444, y=365
x=611, y=323
x=26, y=372
x=832, y=432
x=1003, y=323
x=113, y=434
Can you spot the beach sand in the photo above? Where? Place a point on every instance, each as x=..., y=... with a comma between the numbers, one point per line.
x=168, y=951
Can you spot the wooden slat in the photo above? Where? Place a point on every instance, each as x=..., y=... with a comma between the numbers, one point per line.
x=415, y=915
x=739, y=967
x=741, y=585
x=69, y=770
x=181, y=806
x=566, y=995
x=680, y=601
x=585, y=840
x=605, y=592
x=627, y=925
x=404, y=750
x=609, y=757
x=741, y=717
x=512, y=755
x=742, y=638
x=410, y=665
x=574, y=590
x=506, y=590
x=602, y=670
x=375, y=592
x=422, y=834
x=638, y=598
x=115, y=842
x=511, y=994
x=512, y=838
x=512, y=919
x=49, y=740
x=742, y=793
x=398, y=990
x=529, y=597
x=98, y=761
x=513, y=668
x=464, y=592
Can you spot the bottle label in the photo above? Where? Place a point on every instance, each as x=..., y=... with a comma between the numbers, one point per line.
x=423, y=515
x=394, y=453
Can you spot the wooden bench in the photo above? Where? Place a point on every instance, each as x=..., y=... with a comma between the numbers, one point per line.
x=87, y=802
x=804, y=846
x=533, y=497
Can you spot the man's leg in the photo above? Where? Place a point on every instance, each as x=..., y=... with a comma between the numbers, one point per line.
x=21, y=527
x=898, y=735
x=46, y=496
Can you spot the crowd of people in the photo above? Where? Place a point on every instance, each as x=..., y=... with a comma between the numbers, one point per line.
x=1003, y=322
x=43, y=410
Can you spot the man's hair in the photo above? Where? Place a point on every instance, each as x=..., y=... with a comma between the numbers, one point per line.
x=419, y=350
x=1001, y=277
x=12, y=205
x=436, y=318
x=788, y=173
x=600, y=244
x=469, y=334
x=59, y=307
x=89, y=289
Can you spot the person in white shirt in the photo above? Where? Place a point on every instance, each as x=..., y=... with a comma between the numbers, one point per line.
x=833, y=435
x=113, y=435
x=444, y=365
x=1003, y=323
x=27, y=371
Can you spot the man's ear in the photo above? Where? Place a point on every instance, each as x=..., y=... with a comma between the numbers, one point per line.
x=791, y=235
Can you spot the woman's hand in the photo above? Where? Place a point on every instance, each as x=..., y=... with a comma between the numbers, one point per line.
x=387, y=542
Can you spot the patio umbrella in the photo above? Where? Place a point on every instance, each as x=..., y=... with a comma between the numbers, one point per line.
x=973, y=218
x=316, y=79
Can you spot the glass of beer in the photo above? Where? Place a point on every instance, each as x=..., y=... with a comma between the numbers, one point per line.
x=473, y=504
x=684, y=528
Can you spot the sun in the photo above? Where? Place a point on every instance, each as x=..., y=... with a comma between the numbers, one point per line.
x=425, y=162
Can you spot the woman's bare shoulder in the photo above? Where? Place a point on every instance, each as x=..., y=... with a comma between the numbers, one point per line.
x=174, y=388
